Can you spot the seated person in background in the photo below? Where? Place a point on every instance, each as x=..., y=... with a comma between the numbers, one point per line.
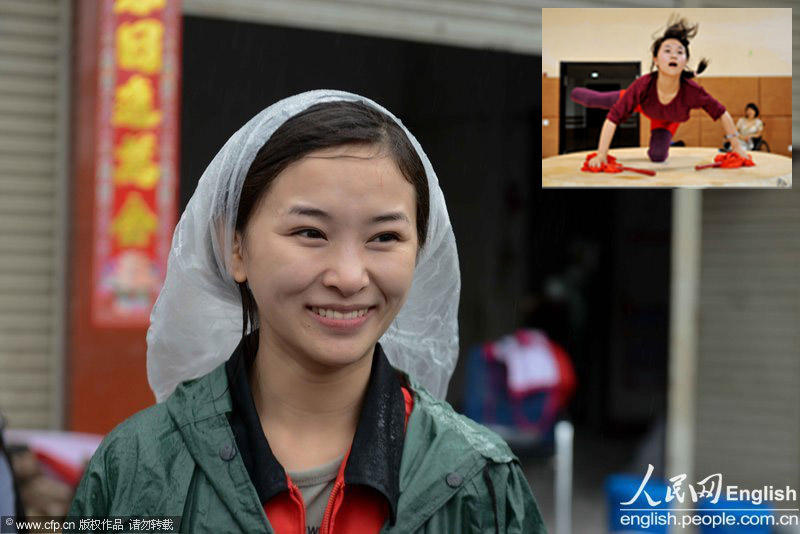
x=749, y=127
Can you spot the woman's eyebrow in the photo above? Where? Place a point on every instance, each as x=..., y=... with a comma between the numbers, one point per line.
x=316, y=212
x=391, y=217
x=309, y=212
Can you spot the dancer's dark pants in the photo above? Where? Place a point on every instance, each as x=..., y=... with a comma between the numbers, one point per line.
x=660, y=138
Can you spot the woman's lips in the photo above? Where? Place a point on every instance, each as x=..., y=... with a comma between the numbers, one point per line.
x=341, y=321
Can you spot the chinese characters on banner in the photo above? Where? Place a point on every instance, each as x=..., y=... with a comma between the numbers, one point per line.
x=136, y=166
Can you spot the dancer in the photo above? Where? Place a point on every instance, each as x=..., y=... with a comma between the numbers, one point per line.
x=665, y=96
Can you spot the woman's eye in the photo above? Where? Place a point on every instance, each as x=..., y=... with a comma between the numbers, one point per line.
x=386, y=238
x=310, y=233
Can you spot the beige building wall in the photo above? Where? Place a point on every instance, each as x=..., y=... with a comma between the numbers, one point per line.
x=34, y=120
x=747, y=412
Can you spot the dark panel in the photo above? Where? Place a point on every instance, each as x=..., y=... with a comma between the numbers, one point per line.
x=580, y=126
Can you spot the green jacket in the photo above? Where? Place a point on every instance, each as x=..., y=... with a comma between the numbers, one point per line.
x=166, y=461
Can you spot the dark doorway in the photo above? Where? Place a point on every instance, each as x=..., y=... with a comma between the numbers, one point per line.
x=475, y=112
x=605, y=256
x=580, y=126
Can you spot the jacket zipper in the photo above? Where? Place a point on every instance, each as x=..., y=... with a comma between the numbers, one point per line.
x=297, y=497
x=328, y=518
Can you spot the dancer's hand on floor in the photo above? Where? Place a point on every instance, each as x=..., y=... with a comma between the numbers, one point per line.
x=598, y=161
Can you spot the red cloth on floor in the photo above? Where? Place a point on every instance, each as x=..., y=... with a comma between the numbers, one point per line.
x=611, y=166
x=732, y=160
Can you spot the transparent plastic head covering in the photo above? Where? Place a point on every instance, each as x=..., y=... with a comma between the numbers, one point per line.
x=196, y=322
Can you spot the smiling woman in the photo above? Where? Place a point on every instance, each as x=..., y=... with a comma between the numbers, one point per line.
x=321, y=226
x=313, y=167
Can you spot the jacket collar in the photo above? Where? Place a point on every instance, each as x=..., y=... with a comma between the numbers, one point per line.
x=377, y=448
x=438, y=442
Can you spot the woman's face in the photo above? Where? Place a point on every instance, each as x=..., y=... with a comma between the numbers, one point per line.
x=329, y=254
x=750, y=113
x=671, y=57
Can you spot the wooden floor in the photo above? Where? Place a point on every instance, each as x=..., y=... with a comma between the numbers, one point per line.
x=770, y=171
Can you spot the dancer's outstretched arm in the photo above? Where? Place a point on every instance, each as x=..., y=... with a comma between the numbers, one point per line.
x=731, y=133
x=606, y=135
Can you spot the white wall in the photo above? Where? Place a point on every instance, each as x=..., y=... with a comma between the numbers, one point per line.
x=739, y=42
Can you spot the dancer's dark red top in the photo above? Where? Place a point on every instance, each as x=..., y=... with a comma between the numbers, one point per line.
x=642, y=95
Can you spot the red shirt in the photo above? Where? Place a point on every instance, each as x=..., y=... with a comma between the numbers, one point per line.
x=643, y=93
x=350, y=509
x=367, y=486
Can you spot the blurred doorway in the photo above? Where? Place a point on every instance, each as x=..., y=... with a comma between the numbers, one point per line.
x=580, y=126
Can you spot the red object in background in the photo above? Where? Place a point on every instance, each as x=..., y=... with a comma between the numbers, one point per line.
x=64, y=454
x=65, y=471
x=106, y=365
x=534, y=365
x=136, y=167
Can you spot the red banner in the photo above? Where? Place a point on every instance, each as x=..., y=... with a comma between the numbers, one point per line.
x=136, y=171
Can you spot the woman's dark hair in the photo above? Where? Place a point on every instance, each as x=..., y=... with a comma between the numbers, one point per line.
x=326, y=125
x=753, y=107
x=680, y=29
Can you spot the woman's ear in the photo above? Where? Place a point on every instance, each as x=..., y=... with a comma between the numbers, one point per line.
x=237, y=260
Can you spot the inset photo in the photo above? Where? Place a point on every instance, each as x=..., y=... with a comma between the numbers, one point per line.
x=677, y=98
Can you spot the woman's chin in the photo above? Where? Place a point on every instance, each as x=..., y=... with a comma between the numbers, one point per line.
x=337, y=357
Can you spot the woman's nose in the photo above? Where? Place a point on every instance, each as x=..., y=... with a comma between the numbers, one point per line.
x=346, y=271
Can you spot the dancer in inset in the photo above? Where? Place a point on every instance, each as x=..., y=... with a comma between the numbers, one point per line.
x=665, y=96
